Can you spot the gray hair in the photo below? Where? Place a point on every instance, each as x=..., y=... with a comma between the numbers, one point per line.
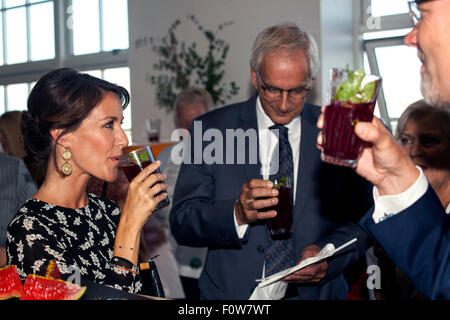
x=285, y=36
x=418, y=110
x=192, y=95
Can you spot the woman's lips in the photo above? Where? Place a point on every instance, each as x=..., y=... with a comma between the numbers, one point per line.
x=116, y=160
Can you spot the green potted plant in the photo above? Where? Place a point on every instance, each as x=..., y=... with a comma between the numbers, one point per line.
x=181, y=66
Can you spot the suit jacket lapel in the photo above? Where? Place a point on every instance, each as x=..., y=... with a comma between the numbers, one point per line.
x=249, y=121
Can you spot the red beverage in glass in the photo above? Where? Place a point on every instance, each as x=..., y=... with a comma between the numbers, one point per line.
x=282, y=222
x=351, y=97
x=133, y=168
x=153, y=128
x=153, y=137
x=340, y=119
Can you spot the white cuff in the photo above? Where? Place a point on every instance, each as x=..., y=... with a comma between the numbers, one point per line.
x=241, y=230
x=387, y=206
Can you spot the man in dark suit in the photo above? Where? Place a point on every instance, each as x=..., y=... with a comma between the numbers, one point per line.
x=220, y=192
x=408, y=219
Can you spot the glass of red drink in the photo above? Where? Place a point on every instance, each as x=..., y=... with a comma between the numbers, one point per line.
x=282, y=222
x=341, y=146
x=135, y=161
x=153, y=128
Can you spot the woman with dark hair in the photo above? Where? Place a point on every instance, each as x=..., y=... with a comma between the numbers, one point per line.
x=73, y=125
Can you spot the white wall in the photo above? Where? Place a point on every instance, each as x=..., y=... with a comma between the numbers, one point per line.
x=336, y=38
x=152, y=18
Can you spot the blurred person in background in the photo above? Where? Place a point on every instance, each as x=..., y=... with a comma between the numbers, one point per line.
x=10, y=135
x=424, y=133
x=189, y=104
x=16, y=186
x=12, y=143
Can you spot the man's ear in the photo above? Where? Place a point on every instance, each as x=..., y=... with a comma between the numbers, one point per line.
x=253, y=76
x=3, y=142
x=313, y=83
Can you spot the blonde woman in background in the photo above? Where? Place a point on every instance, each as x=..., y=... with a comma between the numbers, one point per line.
x=10, y=135
x=12, y=144
x=424, y=133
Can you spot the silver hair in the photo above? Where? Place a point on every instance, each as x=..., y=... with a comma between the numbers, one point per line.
x=421, y=109
x=192, y=95
x=285, y=36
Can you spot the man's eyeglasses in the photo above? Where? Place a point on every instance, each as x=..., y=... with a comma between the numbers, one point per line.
x=414, y=13
x=274, y=93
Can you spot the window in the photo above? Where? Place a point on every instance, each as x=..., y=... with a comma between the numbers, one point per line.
x=27, y=31
x=2, y=100
x=379, y=8
x=119, y=76
x=14, y=96
x=383, y=27
x=107, y=29
x=37, y=36
x=17, y=95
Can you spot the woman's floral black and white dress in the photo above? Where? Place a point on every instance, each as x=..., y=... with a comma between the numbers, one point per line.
x=81, y=239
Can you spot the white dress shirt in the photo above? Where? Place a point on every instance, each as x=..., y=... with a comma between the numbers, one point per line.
x=387, y=206
x=267, y=143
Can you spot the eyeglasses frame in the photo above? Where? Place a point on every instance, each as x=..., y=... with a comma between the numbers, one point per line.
x=264, y=87
x=413, y=10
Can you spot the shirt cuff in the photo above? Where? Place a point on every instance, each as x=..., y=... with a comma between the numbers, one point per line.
x=387, y=206
x=240, y=230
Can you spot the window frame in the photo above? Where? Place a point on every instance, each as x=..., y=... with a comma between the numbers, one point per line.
x=369, y=47
x=31, y=71
x=385, y=23
x=391, y=22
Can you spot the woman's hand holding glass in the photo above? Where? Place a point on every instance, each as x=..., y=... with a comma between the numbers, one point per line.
x=142, y=198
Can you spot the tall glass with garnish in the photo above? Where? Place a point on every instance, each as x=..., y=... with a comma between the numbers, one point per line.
x=351, y=97
x=282, y=222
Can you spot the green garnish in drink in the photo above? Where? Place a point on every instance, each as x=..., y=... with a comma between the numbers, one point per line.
x=350, y=90
x=283, y=182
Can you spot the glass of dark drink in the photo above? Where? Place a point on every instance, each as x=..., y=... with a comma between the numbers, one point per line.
x=134, y=161
x=351, y=97
x=282, y=222
x=153, y=129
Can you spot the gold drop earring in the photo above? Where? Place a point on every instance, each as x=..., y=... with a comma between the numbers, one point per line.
x=66, y=168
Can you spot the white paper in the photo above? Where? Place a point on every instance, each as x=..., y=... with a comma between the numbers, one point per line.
x=327, y=251
x=274, y=291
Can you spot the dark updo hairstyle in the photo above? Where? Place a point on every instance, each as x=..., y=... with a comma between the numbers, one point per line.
x=62, y=99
